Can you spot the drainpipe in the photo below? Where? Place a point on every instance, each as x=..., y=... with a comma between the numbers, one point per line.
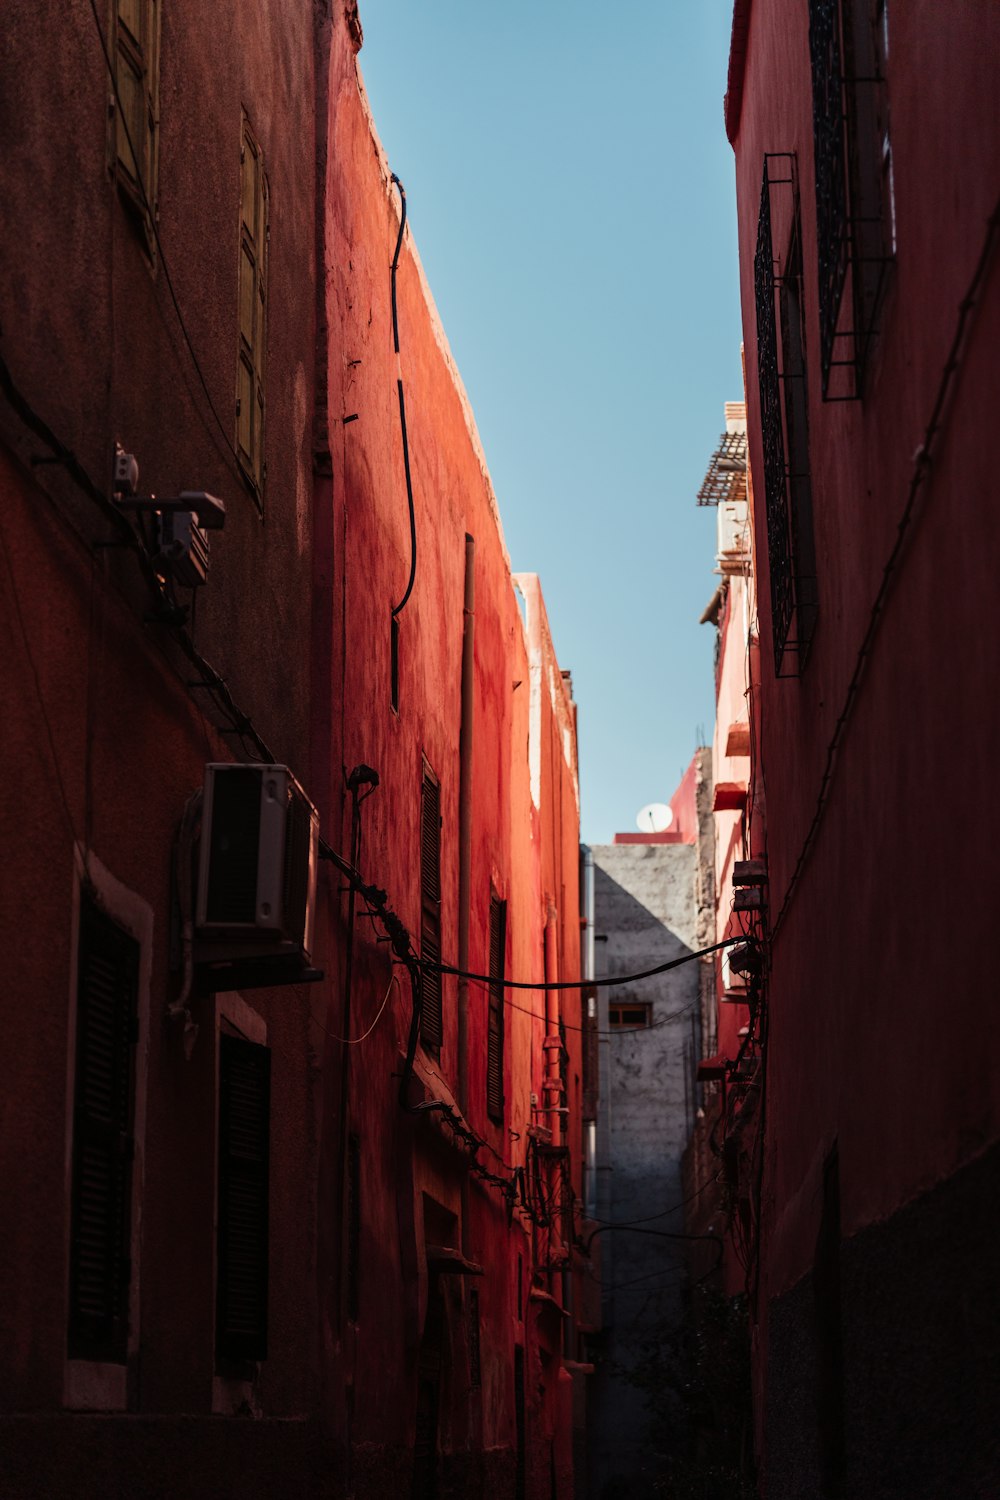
x=465, y=816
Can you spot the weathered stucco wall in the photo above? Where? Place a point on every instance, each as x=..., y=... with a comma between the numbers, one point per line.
x=645, y=908
x=880, y=1101
x=109, y=738
x=524, y=842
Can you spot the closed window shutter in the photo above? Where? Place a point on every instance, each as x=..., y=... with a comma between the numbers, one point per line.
x=431, y=1026
x=103, y=1143
x=252, y=311
x=136, y=77
x=244, y=1134
x=494, y=1042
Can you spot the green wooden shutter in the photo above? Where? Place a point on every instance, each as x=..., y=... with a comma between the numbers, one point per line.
x=244, y=1135
x=494, y=1040
x=103, y=1143
x=431, y=1021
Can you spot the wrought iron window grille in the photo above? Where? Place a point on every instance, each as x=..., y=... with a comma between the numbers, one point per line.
x=783, y=395
x=855, y=243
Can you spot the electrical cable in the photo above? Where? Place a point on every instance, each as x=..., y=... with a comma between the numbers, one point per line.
x=612, y=1032
x=397, y=609
x=664, y=1234
x=576, y=984
x=395, y=260
x=354, y=1041
x=631, y=1223
x=242, y=726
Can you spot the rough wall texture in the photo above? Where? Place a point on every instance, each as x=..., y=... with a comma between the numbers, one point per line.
x=110, y=732
x=102, y=723
x=873, y=1009
x=921, y=1303
x=645, y=908
x=416, y=1191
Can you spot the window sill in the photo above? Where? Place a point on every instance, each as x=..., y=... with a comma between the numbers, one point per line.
x=89, y=1385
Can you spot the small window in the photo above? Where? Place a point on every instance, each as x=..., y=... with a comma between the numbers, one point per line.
x=242, y=1236
x=135, y=114
x=855, y=209
x=628, y=1016
x=107, y=1030
x=495, y=1031
x=783, y=395
x=431, y=1021
x=252, y=314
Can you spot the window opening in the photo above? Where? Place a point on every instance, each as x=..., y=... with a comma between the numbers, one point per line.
x=495, y=1033
x=353, y=1227
x=252, y=314
x=626, y=1016
x=431, y=1020
x=136, y=108
x=242, y=1238
x=475, y=1365
x=107, y=1030
x=855, y=214
x=783, y=392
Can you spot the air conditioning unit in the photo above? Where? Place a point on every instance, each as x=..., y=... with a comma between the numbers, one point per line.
x=732, y=981
x=733, y=536
x=183, y=547
x=257, y=863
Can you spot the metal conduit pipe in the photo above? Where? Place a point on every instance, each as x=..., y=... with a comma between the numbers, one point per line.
x=465, y=815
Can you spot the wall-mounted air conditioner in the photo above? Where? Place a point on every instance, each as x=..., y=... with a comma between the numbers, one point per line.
x=257, y=863
x=733, y=536
x=732, y=982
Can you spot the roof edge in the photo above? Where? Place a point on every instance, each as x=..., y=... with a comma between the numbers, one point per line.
x=733, y=102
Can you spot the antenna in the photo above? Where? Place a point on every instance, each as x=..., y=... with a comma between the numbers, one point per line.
x=655, y=817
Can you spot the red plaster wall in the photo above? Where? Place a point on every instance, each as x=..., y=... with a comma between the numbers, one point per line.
x=108, y=735
x=107, y=740
x=877, y=973
x=524, y=844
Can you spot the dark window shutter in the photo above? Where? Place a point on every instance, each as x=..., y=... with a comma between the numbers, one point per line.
x=475, y=1360
x=136, y=125
x=494, y=1042
x=431, y=1023
x=244, y=1130
x=103, y=1143
x=252, y=311
x=353, y=1227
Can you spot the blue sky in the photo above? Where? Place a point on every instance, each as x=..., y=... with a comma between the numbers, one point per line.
x=570, y=188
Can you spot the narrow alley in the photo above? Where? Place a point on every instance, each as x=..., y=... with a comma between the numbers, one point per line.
x=378, y=1120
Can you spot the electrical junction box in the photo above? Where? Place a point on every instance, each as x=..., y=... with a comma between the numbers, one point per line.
x=749, y=872
x=257, y=863
x=748, y=898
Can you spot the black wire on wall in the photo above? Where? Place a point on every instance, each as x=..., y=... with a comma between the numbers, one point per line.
x=402, y=404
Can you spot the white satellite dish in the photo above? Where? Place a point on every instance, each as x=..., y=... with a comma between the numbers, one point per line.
x=655, y=817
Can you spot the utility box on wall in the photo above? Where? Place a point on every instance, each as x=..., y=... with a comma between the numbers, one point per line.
x=257, y=865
